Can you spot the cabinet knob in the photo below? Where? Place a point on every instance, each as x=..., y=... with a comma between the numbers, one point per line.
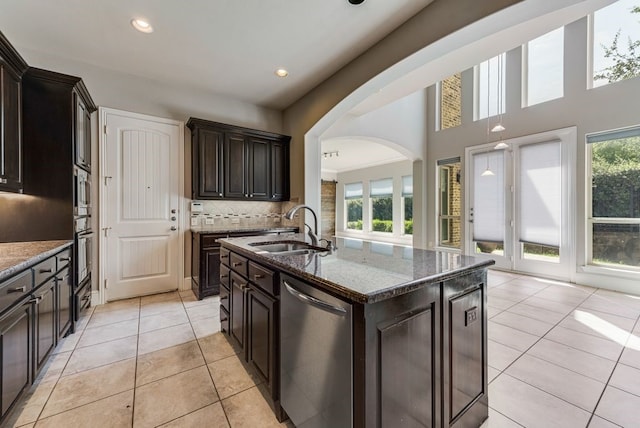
x=219, y=194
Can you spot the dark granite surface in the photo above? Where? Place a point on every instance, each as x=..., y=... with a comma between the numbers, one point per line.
x=203, y=230
x=363, y=271
x=18, y=256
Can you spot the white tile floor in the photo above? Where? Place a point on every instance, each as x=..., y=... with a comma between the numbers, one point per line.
x=560, y=355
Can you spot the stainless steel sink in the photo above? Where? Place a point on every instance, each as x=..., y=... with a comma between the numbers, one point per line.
x=290, y=248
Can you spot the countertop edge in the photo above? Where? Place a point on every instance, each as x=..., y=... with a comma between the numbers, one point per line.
x=26, y=264
x=349, y=294
x=205, y=231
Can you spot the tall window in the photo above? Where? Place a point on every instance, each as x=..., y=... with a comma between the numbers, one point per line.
x=490, y=87
x=488, y=213
x=545, y=68
x=449, y=203
x=381, y=193
x=615, y=197
x=353, y=205
x=616, y=42
x=407, y=204
x=450, y=92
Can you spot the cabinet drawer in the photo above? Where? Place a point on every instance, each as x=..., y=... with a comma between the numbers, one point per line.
x=14, y=289
x=224, y=276
x=263, y=278
x=43, y=271
x=238, y=264
x=224, y=256
x=210, y=241
x=224, y=298
x=63, y=259
x=224, y=320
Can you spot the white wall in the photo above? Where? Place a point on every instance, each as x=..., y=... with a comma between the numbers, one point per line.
x=607, y=107
x=394, y=170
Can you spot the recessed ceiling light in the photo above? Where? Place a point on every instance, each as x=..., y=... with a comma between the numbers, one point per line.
x=356, y=1
x=281, y=72
x=142, y=25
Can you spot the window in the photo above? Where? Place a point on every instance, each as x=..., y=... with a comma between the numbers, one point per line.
x=407, y=204
x=490, y=87
x=544, y=58
x=381, y=192
x=616, y=42
x=615, y=197
x=353, y=205
x=488, y=202
x=450, y=94
x=449, y=203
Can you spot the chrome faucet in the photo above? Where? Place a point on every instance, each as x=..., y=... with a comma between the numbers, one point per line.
x=313, y=233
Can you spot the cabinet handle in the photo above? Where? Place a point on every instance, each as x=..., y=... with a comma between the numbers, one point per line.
x=64, y=259
x=258, y=276
x=223, y=319
x=224, y=297
x=235, y=264
x=17, y=290
x=225, y=256
x=60, y=279
x=224, y=276
x=50, y=270
x=35, y=300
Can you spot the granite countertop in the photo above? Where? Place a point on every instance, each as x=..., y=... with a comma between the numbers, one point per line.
x=18, y=256
x=363, y=271
x=202, y=230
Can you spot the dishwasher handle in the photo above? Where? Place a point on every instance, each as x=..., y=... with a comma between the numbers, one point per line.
x=315, y=302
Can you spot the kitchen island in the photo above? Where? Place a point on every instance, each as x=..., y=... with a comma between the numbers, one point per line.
x=370, y=335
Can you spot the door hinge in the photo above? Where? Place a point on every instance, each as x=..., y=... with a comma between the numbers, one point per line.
x=511, y=223
x=106, y=130
x=513, y=188
x=106, y=284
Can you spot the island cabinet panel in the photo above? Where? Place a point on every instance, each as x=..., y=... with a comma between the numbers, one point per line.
x=400, y=342
x=235, y=163
x=407, y=381
x=464, y=339
x=237, y=330
x=45, y=324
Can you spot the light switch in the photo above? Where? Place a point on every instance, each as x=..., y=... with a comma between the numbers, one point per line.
x=208, y=220
x=194, y=221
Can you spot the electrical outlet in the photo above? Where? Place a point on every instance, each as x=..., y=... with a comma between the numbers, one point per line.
x=194, y=221
x=208, y=220
x=235, y=220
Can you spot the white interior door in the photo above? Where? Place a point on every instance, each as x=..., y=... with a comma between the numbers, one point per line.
x=141, y=185
x=521, y=204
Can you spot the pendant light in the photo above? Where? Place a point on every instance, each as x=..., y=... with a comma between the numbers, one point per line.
x=487, y=172
x=499, y=127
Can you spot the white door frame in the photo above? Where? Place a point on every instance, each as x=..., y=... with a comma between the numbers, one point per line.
x=568, y=138
x=103, y=112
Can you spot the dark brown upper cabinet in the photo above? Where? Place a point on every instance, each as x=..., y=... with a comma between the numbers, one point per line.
x=12, y=67
x=234, y=163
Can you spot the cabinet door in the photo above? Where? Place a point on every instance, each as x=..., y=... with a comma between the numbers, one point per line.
x=261, y=329
x=64, y=294
x=259, y=169
x=237, y=315
x=15, y=338
x=235, y=166
x=82, y=137
x=45, y=324
x=279, y=171
x=10, y=131
x=207, y=171
x=211, y=271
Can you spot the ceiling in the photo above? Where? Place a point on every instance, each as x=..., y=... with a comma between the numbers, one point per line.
x=356, y=154
x=226, y=47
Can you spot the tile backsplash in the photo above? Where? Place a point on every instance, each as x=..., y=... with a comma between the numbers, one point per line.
x=243, y=214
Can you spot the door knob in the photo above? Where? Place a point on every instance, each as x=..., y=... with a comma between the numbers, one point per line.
x=174, y=228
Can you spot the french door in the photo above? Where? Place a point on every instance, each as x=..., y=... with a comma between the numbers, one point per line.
x=521, y=201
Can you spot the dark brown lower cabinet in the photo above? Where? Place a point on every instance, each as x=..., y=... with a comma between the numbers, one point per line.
x=15, y=351
x=45, y=324
x=64, y=295
x=261, y=324
x=238, y=288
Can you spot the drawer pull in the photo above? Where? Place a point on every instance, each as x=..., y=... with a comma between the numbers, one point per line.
x=224, y=276
x=50, y=270
x=223, y=319
x=258, y=276
x=64, y=259
x=226, y=256
x=35, y=300
x=18, y=289
x=236, y=264
x=224, y=297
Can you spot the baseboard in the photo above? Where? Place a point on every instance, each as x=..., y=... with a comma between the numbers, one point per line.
x=186, y=284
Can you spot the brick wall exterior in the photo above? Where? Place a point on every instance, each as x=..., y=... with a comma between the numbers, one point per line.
x=451, y=102
x=455, y=203
x=328, y=209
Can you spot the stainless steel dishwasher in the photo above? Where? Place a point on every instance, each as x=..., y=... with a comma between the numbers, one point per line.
x=316, y=371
